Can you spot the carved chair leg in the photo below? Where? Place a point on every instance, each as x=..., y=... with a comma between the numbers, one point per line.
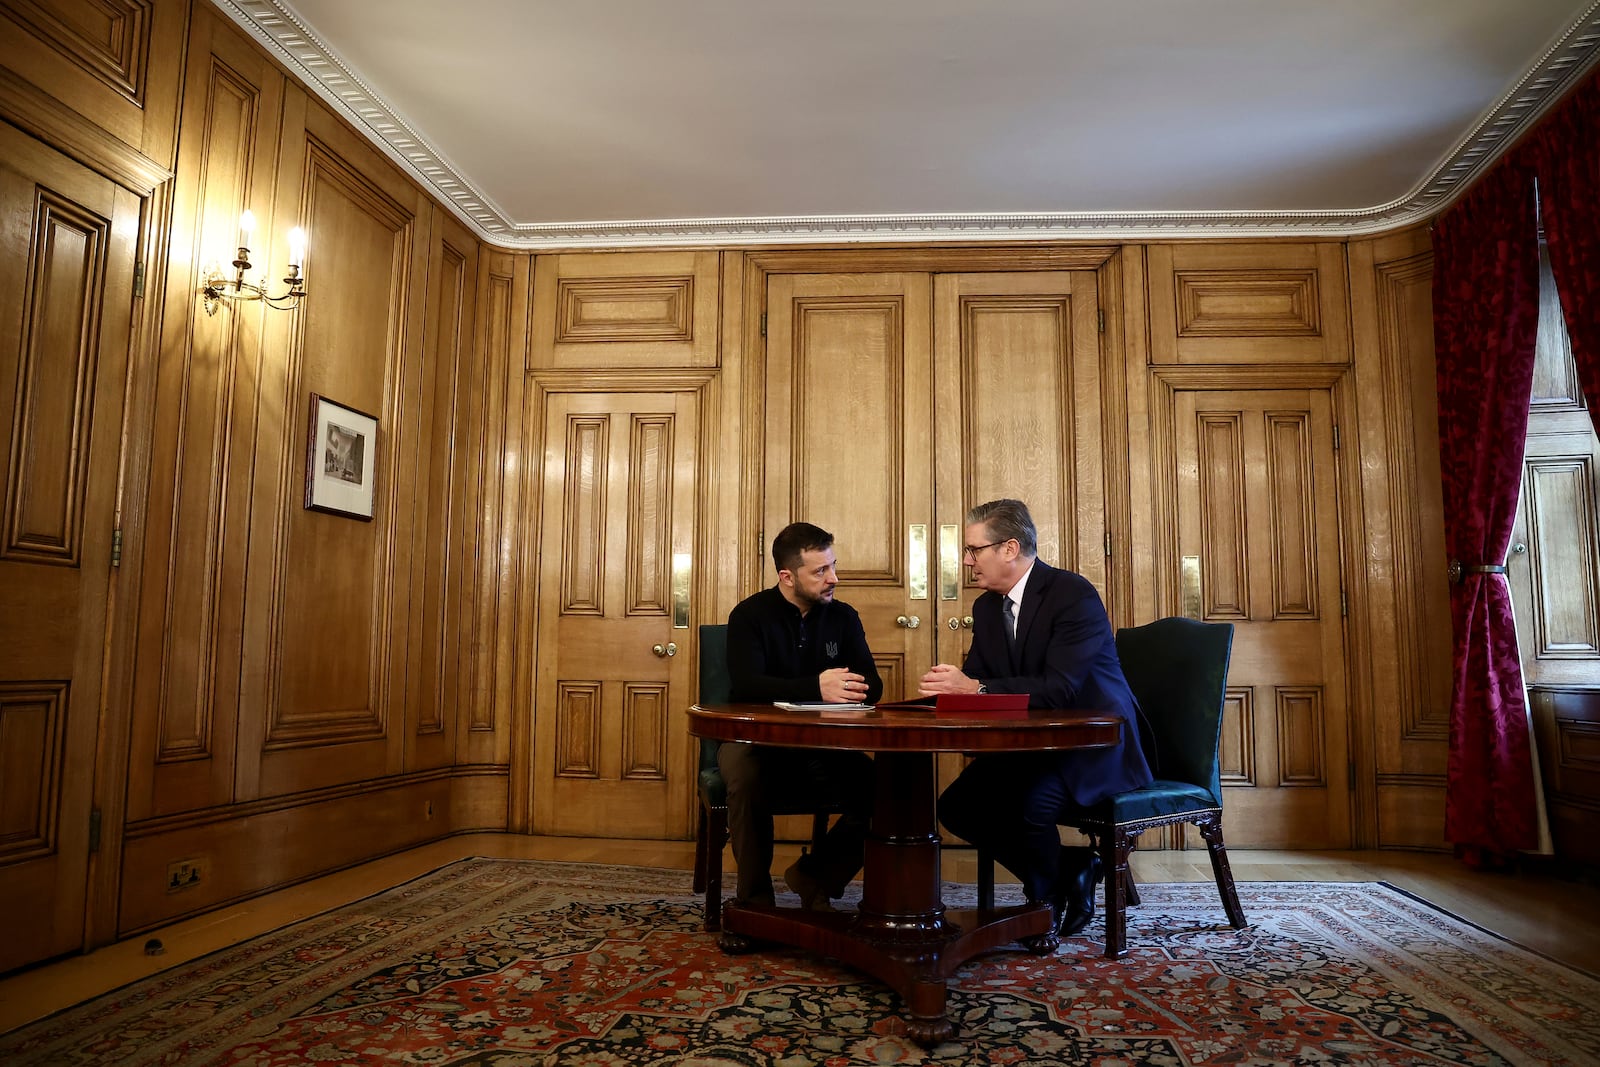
x=716, y=838
x=1114, y=849
x=1210, y=827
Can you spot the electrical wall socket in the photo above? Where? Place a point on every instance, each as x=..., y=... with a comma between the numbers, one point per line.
x=186, y=874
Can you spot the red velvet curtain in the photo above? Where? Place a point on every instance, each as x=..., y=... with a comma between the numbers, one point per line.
x=1486, y=311
x=1566, y=148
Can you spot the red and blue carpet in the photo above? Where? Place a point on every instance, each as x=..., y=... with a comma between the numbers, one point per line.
x=505, y=963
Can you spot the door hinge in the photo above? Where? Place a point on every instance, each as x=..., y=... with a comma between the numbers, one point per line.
x=116, y=548
x=94, y=829
x=1108, y=544
x=138, y=281
x=1336, y=438
x=1344, y=608
x=1100, y=318
x=763, y=324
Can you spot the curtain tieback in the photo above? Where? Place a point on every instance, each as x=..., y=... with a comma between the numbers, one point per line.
x=1458, y=570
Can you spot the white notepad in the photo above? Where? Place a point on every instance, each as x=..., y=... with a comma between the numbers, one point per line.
x=818, y=705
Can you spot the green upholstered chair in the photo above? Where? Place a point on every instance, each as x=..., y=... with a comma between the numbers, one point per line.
x=1178, y=670
x=712, y=832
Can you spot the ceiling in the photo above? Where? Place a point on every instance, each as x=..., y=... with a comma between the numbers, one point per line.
x=581, y=123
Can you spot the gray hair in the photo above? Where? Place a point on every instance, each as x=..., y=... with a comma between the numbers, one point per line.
x=1007, y=520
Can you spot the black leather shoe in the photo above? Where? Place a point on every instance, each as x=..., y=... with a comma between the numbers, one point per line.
x=1077, y=882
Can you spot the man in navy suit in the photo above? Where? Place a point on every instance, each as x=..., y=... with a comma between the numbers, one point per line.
x=1041, y=631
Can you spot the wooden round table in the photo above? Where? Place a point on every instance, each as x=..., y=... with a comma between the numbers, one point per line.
x=902, y=933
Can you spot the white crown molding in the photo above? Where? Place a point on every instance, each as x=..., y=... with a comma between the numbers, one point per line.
x=281, y=31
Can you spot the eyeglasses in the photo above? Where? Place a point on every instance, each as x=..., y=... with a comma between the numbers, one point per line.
x=973, y=550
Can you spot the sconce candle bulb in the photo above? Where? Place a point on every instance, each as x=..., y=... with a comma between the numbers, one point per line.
x=215, y=288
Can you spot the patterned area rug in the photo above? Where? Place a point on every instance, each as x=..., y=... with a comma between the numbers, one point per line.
x=507, y=963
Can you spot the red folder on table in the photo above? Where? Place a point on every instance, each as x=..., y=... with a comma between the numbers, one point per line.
x=964, y=703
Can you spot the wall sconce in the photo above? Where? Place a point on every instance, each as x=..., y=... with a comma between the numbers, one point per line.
x=218, y=288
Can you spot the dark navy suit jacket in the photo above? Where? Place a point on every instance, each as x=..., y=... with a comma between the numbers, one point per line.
x=1066, y=657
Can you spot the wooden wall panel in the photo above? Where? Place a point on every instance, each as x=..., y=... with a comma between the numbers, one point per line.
x=88, y=70
x=249, y=849
x=185, y=702
x=503, y=287
x=638, y=309
x=312, y=652
x=1398, y=595
x=444, y=541
x=1225, y=303
x=327, y=638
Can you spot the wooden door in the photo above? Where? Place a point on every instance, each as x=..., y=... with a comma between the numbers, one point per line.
x=610, y=737
x=897, y=401
x=1258, y=541
x=67, y=248
x=848, y=446
x=1017, y=369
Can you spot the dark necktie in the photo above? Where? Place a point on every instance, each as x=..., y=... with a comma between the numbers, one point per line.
x=1011, y=626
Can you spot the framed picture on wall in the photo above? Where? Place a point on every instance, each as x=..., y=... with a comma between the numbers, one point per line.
x=341, y=458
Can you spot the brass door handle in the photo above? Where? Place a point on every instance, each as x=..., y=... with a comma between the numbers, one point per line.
x=1189, y=587
x=961, y=623
x=910, y=622
x=668, y=649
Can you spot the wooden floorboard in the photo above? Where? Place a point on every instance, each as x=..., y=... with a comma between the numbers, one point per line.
x=1557, y=916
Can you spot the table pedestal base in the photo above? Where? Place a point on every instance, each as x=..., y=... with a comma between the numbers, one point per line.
x=917, y=967
x=902, y=933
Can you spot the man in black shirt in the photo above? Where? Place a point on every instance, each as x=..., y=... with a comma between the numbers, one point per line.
x=794, y=642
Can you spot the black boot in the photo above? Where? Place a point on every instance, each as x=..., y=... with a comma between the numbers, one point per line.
x=1080, y=873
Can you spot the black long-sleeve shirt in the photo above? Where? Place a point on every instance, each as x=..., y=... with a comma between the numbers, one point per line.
x=775, y=653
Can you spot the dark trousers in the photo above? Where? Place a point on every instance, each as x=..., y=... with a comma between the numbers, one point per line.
x=1008, y=803
x=761, y=779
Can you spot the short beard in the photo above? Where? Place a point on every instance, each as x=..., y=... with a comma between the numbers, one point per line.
x=811, y=600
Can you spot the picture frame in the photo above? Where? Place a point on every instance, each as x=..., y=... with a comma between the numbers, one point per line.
x=341, y=459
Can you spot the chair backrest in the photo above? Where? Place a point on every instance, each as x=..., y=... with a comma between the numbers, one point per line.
x=715, y=683
x=1178, y=670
